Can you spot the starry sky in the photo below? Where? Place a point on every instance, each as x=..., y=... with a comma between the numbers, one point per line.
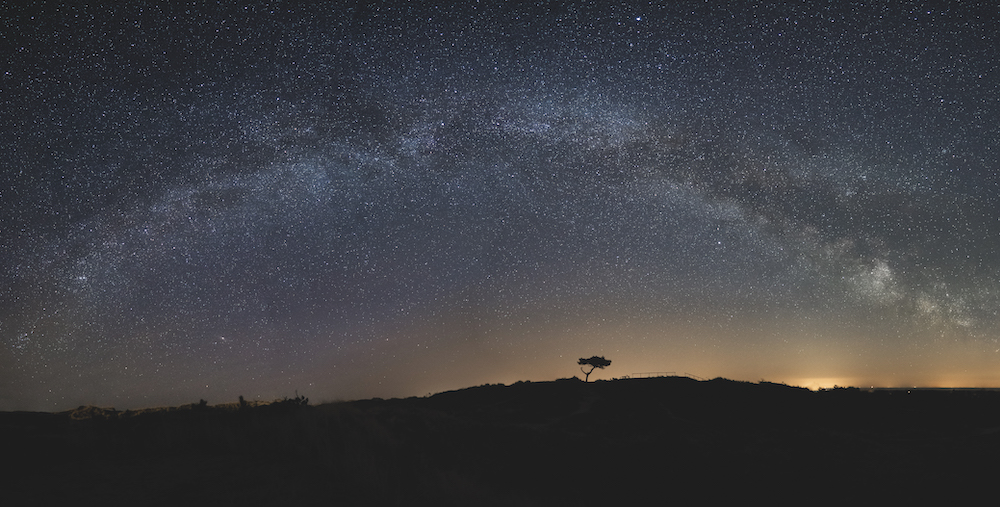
x=357, y=200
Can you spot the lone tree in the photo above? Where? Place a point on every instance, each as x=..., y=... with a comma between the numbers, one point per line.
x=593, y=362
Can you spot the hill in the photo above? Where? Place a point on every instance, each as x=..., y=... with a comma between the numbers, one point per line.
x=566, y=442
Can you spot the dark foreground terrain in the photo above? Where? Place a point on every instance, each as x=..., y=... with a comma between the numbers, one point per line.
x=654, y=441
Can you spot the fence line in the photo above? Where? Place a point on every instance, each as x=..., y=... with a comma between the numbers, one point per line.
x=652, y=374
x=649, y=374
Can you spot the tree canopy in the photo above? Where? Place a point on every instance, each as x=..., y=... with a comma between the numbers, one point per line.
x=593, y=362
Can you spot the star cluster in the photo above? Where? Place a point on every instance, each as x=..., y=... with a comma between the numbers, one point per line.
x=356, y=200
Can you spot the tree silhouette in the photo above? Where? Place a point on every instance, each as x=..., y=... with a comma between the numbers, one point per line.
x=593, y=362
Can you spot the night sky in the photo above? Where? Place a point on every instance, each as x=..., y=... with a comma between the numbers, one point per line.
x=356, y=201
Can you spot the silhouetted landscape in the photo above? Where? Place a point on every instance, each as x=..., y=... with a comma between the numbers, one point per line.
x=660, y=440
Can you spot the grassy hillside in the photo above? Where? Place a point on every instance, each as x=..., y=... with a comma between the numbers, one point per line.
x=659, y=440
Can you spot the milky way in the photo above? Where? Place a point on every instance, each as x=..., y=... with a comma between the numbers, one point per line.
x=356, y=201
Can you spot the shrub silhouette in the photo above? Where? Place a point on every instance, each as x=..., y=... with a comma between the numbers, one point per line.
x=291, y=403
x=593, y=362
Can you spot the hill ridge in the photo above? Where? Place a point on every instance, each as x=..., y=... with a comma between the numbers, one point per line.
x=523, y=443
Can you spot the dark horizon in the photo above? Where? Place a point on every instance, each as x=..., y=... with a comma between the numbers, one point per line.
x=717, y=441
x=256, y=401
